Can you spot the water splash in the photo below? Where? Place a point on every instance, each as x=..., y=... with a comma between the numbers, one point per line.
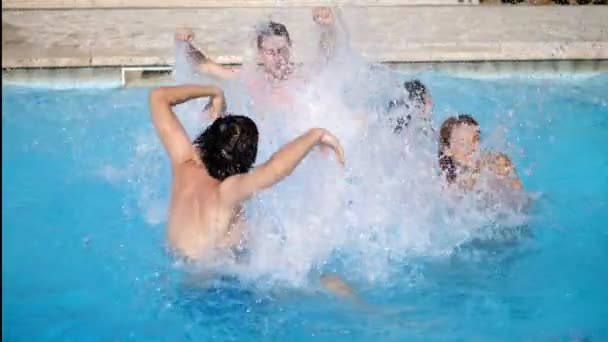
x=387, y=204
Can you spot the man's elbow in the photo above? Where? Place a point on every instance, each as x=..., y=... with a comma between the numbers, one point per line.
x=216, y=91
x=158, y=102
x=159, y=98
x=158, y=94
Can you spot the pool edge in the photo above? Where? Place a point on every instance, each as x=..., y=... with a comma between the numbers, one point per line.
x=148, y=76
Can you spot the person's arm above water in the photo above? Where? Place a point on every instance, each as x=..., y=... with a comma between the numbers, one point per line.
x=202, y=62
x=324, y=17
x=333, y=31
x=167, y=125
x=240, y=187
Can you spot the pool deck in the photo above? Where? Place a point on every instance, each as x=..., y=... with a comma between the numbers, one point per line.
x=89, y=36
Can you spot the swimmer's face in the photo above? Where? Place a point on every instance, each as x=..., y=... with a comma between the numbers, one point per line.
x=274, y=53
x=464, y=143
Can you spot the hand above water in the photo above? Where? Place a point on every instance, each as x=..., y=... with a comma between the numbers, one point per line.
x=329, y=140
x=184, y=34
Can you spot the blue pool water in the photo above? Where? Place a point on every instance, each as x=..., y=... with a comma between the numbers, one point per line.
x=83, y=255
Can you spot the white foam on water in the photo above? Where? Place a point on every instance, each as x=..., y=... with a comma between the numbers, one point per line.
x=387, y=204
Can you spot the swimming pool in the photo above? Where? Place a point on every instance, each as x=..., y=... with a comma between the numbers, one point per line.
x=83, y=242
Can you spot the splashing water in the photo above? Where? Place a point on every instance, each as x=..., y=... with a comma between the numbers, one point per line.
x=387, y=204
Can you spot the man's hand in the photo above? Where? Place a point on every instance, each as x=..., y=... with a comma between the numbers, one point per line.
x=184, y=34
x=238, y=188
x=200, y=60
x=329, y=140
x=168, y=127
x=187, y=35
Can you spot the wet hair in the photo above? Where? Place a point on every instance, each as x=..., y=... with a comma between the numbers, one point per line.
x=416, y=92
x=228, y=146
x=447, y=163
x=272, y=28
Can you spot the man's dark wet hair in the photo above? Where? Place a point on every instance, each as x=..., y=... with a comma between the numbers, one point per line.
x=229, y=146
x=446, y=163
x=272, y=28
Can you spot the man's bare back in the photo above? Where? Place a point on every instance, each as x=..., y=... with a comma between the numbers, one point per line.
x=212, y=177
x=199, y=223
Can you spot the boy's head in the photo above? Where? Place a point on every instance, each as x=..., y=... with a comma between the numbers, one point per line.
x=229, y=146
x=418, y=98
x=459, y=135
x=416, y=90
x=458, y=143
x=274, y=45
x=419, y=95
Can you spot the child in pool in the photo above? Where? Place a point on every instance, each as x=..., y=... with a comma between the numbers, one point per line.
x=462, y=160
x=501, y=167
x=213, y=176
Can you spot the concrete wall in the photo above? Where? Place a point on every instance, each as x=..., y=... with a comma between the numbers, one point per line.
x=66, y=4
x=116, y=37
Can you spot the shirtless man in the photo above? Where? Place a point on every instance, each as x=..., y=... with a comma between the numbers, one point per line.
x=269, y=80
x=266, y=82
x=274, y=48
x=213, y=176
x=274, y=54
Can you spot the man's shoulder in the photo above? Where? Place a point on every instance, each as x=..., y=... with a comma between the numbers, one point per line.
x=191, y=176
x=188, y=169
